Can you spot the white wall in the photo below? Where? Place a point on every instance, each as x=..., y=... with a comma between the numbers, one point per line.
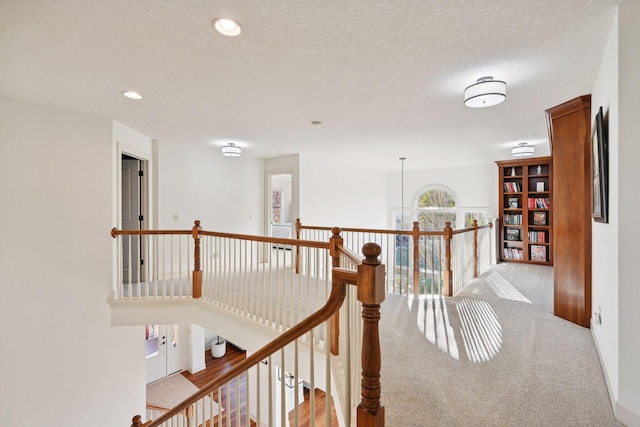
x=628, y=208
x=62, y=362
x=615, y=289
x=474, y=186
x=604, y=287
x=335, y=195
x=225, y=194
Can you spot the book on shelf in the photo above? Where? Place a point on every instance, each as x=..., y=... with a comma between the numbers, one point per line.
x=512, y=253
x=512, y=219
x=540, y=218
x=513, y=202
x=538, y=203
x=512, y=187
x=538, y=253
x=540, y=186
x=537, y=237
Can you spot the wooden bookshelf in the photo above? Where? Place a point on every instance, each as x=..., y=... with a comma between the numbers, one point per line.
x=524, y=208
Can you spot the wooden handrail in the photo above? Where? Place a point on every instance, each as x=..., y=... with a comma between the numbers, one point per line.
x=369, y=278
x=469, y=229
x=115, y=232
x=157, y=408
x=265, y=239
x=300, y=227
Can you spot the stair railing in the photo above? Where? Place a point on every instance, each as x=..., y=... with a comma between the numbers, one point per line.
x=366, y=278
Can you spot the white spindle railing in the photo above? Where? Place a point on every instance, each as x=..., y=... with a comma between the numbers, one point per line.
x=258, y=279
x=404, y=277
x=485, y=243
x=276, y=283
x=270, y=392
x=154, y=266
x=462, y=262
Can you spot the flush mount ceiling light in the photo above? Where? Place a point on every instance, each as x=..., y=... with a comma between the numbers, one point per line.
x=523, y=150
x=485, y=93
x=231, y=150
x=227, y=27
x=131, y=94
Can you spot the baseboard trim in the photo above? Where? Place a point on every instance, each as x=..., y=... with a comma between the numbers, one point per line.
x=626, y=416
x=603, y=366
x=623, y=414
x=196, y=368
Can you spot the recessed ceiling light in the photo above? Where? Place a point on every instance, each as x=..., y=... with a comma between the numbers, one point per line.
x=316, y=123
x=227, y=27
x=131, y=94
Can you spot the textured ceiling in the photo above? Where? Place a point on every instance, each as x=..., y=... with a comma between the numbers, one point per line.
x=386, y=78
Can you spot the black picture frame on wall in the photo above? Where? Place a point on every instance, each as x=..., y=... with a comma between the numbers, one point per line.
x=599, y=170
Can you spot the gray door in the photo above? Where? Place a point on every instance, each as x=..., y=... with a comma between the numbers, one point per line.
x=131, y=218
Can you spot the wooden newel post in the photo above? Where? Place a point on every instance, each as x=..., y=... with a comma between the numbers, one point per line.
x=136, y=421
x=475, y=248
x=298, y=232
x=416, y=258
x=197, y=273
x=448, y=274
x=371, y=278
x=334, y=323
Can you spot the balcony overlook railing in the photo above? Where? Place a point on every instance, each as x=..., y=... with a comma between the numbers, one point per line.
x=420, y=262
x=308, y=291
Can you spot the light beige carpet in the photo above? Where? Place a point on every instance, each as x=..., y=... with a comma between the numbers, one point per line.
x=492, y=356
x=168, y=392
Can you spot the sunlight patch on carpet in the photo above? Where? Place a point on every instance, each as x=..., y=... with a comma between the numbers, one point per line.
x=433, y=322
x=504, y=289
x=481, y=331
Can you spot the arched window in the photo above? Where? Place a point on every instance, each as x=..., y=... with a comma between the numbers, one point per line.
x=435, y=207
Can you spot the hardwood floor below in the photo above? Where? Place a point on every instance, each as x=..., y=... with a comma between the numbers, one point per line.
x=230, y=394
x=233, y=355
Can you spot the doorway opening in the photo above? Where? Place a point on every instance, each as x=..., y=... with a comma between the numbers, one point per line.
x=280, y=212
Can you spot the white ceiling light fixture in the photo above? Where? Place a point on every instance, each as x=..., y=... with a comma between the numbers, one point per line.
x=231, y=150
x=523, y=150
x=485, y=93
x=227, y=27
x=132, y=94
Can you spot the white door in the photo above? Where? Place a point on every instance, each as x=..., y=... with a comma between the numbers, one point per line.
x=156, y=352
x=175, y=348
x=165, y=347
x=131, y=214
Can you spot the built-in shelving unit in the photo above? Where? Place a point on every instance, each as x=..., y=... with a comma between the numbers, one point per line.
x=525, y=189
